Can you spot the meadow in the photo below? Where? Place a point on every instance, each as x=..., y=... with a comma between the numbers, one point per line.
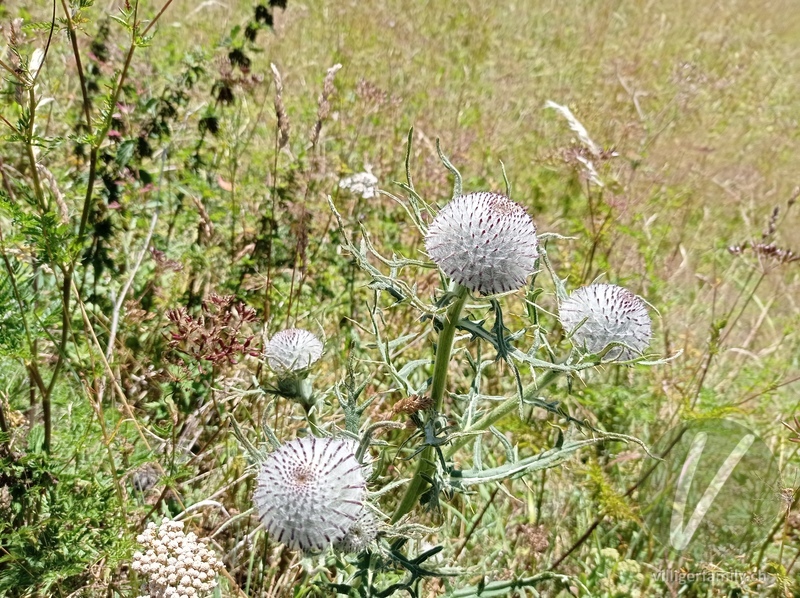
x=183, y=181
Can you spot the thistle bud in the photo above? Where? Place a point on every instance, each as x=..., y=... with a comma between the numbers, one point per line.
x=361, y=535
x=292, y=350
x=601, y=314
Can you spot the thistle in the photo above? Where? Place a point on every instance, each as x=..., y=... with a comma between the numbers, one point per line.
x=484, y=241
x=601, y=314
x=311, y=492
x=292, y=350
x=290, y=353
x=361, y=534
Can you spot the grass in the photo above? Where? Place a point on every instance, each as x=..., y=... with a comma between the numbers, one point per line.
x=699, y=105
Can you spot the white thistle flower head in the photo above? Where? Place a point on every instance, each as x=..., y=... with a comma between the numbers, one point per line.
x=292, y=350
x=600, y=314
x=361, y=534
x=364, y=184
x=311, y=492
x=484, y=241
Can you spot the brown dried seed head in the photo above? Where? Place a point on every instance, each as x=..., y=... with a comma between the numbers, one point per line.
x=412, y=404
x=280, y=109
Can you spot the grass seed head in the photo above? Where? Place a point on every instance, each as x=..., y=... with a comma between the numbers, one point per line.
x=600, y=314
x=311, y=492
x=484, y=241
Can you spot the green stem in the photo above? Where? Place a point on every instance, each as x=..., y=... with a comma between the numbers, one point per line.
x=37, y=185
x=441, y=365
x=311, y=418
x=445, y=347
x=99, y=136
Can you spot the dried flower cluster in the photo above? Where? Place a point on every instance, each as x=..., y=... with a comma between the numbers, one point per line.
x=370, y=93
x=224, y=86
x=766, y=250
x=280, y=108
x=412, y=405
x=601, y=314
x=323, y=103
x=311, y=492
x=533, y=537
x=218, y=335
x=177, y=564
x=485, y=242
x=163, y=262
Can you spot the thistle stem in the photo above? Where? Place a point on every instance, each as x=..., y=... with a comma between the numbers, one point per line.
x=441, y=364
x=444, y=348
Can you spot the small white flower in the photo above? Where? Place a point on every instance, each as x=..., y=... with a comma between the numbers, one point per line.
x=310, y=492
x=165, y=578
x=601, y=314
x=292, y=350
x=484, y=241
x=364, y=184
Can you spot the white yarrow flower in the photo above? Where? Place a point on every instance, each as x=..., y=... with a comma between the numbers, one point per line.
x=364, y=184
x=484, y=241
x=167, y=545
x=292, y=350
x=601, y=314
x=311, y=492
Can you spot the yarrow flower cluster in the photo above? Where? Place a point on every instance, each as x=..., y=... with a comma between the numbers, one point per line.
x=484, y=241
x=292, y=350
x=364, y=184
x=601, y=314
x=311, y=492
x=178, y=565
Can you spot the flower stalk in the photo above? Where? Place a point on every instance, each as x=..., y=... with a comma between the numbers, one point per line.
x=441, y=364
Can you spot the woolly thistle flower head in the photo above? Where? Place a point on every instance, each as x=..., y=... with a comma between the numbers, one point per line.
x=601, y=314
x=311, y=492
x=361, y=535
x=292, y=350
x=484, y=241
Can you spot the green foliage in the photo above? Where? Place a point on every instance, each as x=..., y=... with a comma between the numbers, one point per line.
x=55, y=530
